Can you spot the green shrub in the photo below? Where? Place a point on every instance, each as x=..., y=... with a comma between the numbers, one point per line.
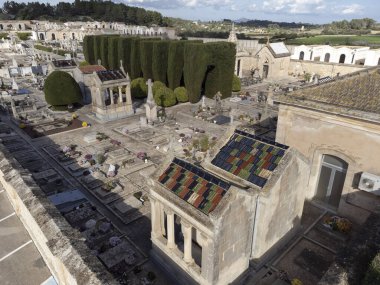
x=83, y=63
x=160, y=60
x=157, y=85
x=43, y=48
x=24, y=36
x=96, y=48
x=165, y=97
x=236, y=86
x=146, y=51
x=88, y=49
x=181, y=94
x=372, y=276
x=195, y=66
x=139, y=89
x=61, y=89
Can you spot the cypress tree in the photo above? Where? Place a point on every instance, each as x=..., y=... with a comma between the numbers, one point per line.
x=124, y=49
x=135, y=59
x=195, y=66
x=146, y=52
x=221, y=66
x=160, y=60
x=104, y=51
x=96, y=48
x=113, y=53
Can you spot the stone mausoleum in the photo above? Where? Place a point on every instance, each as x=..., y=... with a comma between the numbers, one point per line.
x=210, y=220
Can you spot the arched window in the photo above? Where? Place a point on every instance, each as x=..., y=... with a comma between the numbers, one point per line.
x=53, y=37
x=19, y=27
x=1, y=26
x=73, y=36
x=327, y=57
x=302, y=55
x=342, y=58
x=42, y=37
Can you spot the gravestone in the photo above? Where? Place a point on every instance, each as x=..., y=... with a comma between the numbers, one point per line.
x=150, y=106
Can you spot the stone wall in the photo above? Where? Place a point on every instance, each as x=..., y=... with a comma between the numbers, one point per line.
x=280, y=206
x=315, y=133
x=323, y=69
x=62, y=247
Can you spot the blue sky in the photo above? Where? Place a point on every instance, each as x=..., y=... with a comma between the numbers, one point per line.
x=312, y=11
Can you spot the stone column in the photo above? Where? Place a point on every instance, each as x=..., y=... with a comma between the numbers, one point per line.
x=155, y=217
x=170, y=227
x=120, y=94
x=187, y=235
x=128, y=98
x=100, y=98
x=208, y=258
x=111, y=95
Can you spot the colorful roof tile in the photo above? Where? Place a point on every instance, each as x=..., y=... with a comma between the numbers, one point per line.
x=250, y=157
x=107, y=75
x=88, y=69
x=199, y=188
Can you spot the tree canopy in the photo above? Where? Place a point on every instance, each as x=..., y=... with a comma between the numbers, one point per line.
x=83, y=10
x=61, y=89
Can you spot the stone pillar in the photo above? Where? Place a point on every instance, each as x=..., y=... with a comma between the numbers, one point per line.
x=170, y=227
x=128, y=98
x=187, y=235
x=208, y=258
x=155, y=217
x=100, y=98
x=111, y=95
x=120, y=94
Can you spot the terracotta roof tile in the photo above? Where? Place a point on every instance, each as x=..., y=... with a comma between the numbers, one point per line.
x=91, y=68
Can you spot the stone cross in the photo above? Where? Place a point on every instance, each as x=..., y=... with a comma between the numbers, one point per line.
x=150, y=99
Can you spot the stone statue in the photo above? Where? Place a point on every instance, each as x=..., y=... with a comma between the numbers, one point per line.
x=150, y=99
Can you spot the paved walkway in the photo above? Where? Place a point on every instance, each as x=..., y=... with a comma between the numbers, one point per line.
x=20, y=261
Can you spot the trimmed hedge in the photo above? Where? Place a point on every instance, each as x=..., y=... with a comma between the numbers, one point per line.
x=124, y=53
x=175, y=63
x=146, y=52
x=236, y=85
x=61, y=89
x=139, y=89
x=221, y=63
x=113, y=52
x=165, y=97
x=88, y=49
x=136, y=71
x=195, y=66
x=104, y=51
x=43, y=48
x=24, y=36
x=96, y=47
x=181, y=94
x=160, y=60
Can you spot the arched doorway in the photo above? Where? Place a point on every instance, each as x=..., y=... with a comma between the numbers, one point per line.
x=53, y=37
x=342, y=58
x=331, y=180
x=19, y=27
x=1, y=27
x=302, y=55
x=327, y=57
x=42, y=37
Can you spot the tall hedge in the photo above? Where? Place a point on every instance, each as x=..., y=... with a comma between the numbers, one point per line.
x=135, y=59
x=175, y=63
x=160, y=60
x=195, y=66
x=221, y=63
x=146, y=52
x=61, y=89
x=124, y=49
x=113, y=52
x=104, y=50
x=88, y=49
x=96, y=47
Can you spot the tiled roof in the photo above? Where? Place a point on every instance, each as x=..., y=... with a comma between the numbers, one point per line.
x=107, y=75
x=250, y=157
x=359, y=91
x=88, y=69
x=199, y=188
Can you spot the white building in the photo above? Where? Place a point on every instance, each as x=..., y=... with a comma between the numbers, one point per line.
x=340, y=54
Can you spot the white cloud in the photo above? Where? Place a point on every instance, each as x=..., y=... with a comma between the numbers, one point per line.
x=352, y=9
x=169, y=4
x=293, y=6
x=252, y=7
x=234, y=8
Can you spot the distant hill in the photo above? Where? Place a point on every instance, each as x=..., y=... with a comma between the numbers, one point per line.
x=268, y=24
x=82, y=10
